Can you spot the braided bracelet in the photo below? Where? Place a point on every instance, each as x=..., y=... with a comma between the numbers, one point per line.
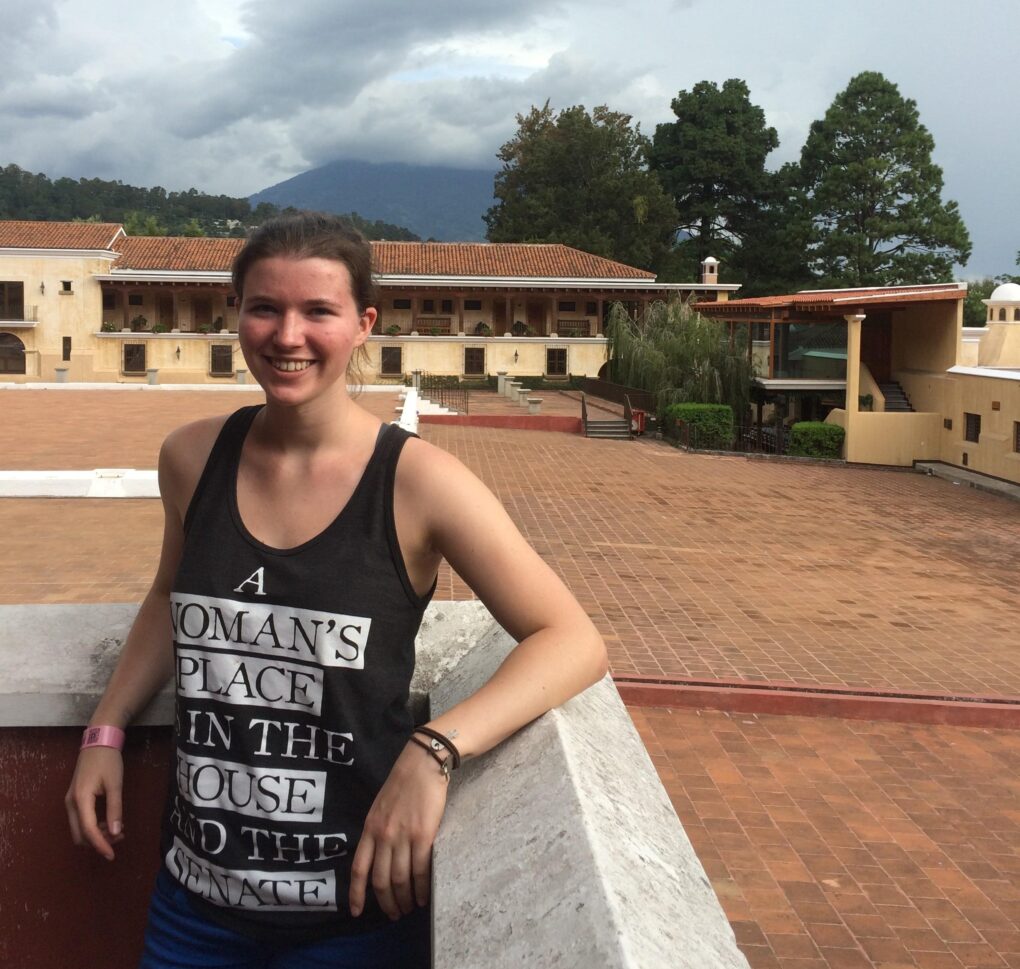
x=438, y=740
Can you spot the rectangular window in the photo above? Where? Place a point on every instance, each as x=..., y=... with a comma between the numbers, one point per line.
x=231, y=301
x=446, y=306
x=135, y=299
x=472, y=304
x=65, y=286
x=556, y=361
x=401, y=304
x=109, y=301
x=474, y=361
x=567, y=306
x=591, y=309
x=972, y=429
x=393, y=361
x=134, y=358
x=65, y=345
x=1016, y=436
x=428, y=306
x=221, y=360
x=12, y=301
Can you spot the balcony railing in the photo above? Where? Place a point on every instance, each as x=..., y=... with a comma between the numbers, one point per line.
x=20, y=314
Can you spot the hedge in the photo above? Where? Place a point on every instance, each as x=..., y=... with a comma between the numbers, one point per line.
x=813, y=439
x=707, y=426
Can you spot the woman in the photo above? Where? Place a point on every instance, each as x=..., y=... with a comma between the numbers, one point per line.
x=301, y=545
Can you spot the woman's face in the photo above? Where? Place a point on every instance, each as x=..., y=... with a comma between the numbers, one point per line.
x=299, y=327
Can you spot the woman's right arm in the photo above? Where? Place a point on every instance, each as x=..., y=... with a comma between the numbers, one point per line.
x=146, y=661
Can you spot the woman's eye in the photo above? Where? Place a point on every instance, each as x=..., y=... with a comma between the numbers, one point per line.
x=261, y=308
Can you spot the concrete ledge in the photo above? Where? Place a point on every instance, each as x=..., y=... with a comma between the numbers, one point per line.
x=100, y=483
x=973, y=479
x=558, y=849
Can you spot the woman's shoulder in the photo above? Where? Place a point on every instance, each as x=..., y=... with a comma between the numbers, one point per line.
x=183, y=456
x=433, y=479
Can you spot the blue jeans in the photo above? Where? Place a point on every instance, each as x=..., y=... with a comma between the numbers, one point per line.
x=177, y=937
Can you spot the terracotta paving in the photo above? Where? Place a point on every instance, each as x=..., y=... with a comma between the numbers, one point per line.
x=691, y=565
x=830, y=843
x=845, y=844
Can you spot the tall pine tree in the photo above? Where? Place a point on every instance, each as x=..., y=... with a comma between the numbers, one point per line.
x=875, y=195
x=711, y=160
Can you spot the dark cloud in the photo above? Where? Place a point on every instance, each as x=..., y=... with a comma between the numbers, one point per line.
x=231, y=98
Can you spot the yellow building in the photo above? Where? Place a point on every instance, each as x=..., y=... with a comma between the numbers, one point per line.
x=85, y=302
x=895, y=369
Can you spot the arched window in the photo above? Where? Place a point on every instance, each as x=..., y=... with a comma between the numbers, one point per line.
x=1016, y=315
x=1002, y=314
x=12, y=354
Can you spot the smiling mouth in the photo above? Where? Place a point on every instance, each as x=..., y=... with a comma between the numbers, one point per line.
x=289, y=366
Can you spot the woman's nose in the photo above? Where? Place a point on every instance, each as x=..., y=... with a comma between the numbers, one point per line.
x=288, y=330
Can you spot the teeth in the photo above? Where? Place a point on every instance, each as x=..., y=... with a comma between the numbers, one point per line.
x=290, y=365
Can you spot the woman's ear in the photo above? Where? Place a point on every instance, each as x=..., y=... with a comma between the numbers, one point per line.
x=365, y=324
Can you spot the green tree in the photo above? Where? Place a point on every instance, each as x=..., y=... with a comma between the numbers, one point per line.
x=975, y=313
x=876, y=195
x=680, y=356
x=711, y=160
x=581, y=179
x=143, y=224
x=191, y=228
x=773, y=254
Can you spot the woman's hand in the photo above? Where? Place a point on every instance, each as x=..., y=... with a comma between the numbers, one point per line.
x=99, y=773
x=395, y=851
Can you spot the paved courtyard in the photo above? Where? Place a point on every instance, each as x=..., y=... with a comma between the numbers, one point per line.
x=830, y=842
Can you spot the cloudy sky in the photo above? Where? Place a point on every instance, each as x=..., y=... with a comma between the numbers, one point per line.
x=234, y=95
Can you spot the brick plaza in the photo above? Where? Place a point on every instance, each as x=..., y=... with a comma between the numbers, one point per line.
x=829, y=842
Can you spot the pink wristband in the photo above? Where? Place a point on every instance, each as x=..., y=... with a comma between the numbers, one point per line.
x=103, y=737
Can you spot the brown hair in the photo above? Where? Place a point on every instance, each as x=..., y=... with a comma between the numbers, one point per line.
x=313, y=235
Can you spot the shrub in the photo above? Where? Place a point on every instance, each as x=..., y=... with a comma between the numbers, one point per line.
x=814, y=439
x=709, y=426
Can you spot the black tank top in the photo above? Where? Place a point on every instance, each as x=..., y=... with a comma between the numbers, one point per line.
x=293, y=668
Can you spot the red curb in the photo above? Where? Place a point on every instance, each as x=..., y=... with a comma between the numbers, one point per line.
x=797, y=700
x=525, y=422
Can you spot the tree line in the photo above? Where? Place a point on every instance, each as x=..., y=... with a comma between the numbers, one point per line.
x=862, y=207
x=149, y=211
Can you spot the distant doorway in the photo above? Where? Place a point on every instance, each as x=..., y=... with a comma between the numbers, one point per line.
x=12, y=354
x=876, y=345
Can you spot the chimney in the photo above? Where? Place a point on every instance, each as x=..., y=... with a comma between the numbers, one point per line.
x=710, y=270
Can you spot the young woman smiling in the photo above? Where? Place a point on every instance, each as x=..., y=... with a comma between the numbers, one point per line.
x=305, y=802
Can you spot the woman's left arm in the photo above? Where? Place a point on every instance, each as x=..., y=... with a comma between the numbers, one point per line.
x=444, y=510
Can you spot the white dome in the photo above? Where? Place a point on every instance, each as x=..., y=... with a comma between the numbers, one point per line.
x=712, y=261
x=1006, y=293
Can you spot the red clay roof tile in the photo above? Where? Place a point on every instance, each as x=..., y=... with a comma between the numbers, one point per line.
x=842, y=299
x=177, y=253
x=394, y=258
x=497, y=259
x=58, y=235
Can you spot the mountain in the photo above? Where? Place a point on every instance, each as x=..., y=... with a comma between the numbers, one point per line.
x=432, y=201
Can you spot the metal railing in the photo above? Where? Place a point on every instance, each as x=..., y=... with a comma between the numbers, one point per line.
x=616, y=393
x=584, y=414
x=445, y=391
x=746, y=439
